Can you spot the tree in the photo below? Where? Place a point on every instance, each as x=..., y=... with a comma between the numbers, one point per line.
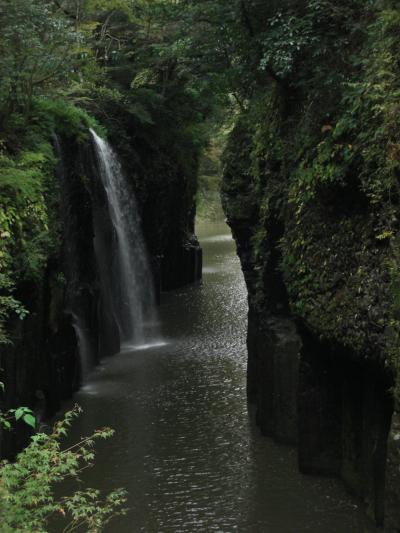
x=27, y=497
x=38, y=51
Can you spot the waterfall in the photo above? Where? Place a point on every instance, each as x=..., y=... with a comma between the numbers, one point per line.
x=131, y=283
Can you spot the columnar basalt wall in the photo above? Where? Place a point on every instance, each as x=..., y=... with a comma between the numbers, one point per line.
x=318, y=301
x=334, y=407
x=167, y=199
x=345, y=410
x=392, y=507
x=69, y=326
x=273, y=376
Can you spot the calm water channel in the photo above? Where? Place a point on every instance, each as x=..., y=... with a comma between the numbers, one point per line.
x=186, y=447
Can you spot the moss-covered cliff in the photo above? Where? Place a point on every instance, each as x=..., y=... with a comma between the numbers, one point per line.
x=311, y=193
x=52, y=207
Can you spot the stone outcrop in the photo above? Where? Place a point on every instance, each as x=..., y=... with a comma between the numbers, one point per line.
x=318, y=291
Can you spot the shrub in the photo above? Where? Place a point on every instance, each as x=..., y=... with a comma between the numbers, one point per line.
x=27, y=496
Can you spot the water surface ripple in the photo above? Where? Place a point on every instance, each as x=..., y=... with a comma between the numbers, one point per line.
x=186, y=447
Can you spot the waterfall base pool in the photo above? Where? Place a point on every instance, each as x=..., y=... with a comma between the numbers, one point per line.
x=186, y=447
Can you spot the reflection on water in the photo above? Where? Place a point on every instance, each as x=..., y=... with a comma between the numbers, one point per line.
x=141, y=347
x=185, y=446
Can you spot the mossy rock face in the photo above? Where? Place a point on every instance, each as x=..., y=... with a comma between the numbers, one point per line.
x=315, y=160
x=337, y=277
x=51, y=206
x=330, y=251
x=325, y=270
x=311, y=192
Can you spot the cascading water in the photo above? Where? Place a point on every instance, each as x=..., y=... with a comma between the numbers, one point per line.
x=132, y=290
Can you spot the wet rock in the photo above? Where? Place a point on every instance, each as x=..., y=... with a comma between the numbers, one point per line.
x=273, y=372
x=392, y=521
x=181, y=265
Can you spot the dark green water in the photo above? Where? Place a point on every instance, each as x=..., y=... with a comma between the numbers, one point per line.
x=186, y=447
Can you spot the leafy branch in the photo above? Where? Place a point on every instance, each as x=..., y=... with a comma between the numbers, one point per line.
x=27, y=499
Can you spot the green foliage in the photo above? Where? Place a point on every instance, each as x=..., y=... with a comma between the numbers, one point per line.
x=363, y=135
x=25, y=414
x=24, y=220
x=60, y=116
x=284, y=40
x=22, y=413
x=9, y=306
x=27, y=487
x=37, y=51
x=29, y=217
x=373, y=101
x=327, y=165
x=314, y=164
x=209, y=178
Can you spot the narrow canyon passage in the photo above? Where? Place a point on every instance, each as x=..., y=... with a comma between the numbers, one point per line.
x=186, y=447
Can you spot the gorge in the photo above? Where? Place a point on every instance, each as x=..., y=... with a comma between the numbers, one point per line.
x=186, y=446
x=264, y=395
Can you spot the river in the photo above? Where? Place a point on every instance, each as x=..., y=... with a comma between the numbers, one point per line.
x=186, y=447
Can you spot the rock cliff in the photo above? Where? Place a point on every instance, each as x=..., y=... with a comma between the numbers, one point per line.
x=70, y=326
x=319, y=285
